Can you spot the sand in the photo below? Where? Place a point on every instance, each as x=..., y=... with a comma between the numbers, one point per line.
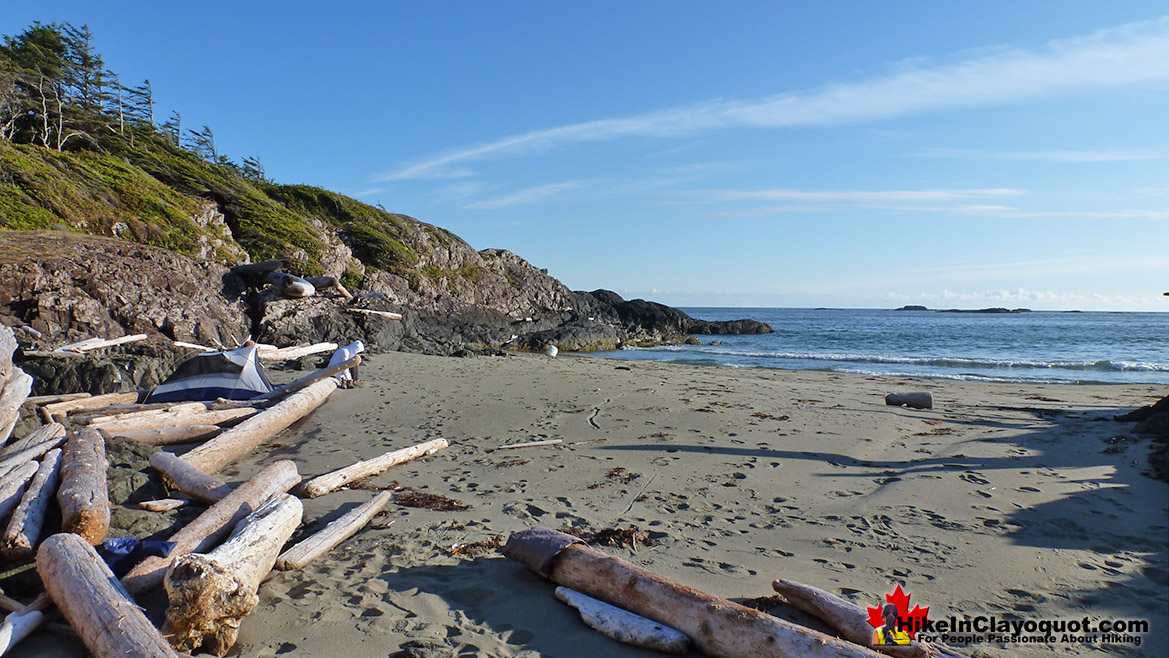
x=1018, y=501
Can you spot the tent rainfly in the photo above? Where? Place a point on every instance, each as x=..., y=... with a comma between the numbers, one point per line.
x=232, y=374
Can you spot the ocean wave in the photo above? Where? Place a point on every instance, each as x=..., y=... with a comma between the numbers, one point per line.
x=714, y=353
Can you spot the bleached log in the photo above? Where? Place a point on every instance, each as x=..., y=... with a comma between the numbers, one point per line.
x=178, y=474
x=29, y=517
x=101, y=612
x=52, y=399
x=83, y=496
x=532, y=444
x=717, y=626
x=163, y=436
x=332, y=534
x=17, y=626
x=12, y=486
x=164, y=505
x=211, y=594
x=223, y=416
x=212, y=525
x=42, y=434
x=243, y=438
x=99, y=343
x=142, y=411
x=290, y=353
x=7, y=349
x=30, y=453
x=369, y=311
x=323, y=484
x=194, y=346
x=93, y=402
x=46, y=354
x=309, y=379
x=15, y=391
x=851, y=620
x=624, y=626
x=76, y=347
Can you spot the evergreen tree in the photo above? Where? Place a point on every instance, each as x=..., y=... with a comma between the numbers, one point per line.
x=140, y=103
x=202, y=142
x=173, y=127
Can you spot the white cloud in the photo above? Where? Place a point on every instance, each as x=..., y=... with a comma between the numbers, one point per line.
x=1096, y=156
x=854, y=195
x=528, y=195
x=1131, y=54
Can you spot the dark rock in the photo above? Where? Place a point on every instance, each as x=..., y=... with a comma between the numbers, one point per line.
x=912, y=307
x=132, y=367
x=1160, y=407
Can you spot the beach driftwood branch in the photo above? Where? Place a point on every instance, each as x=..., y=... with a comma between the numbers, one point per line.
x=333, y=534
x=243, y=438
x=291, y=353
x=382, y=314
x=17, y=626
x=98, y=343
x=328, y=482
x=32, y=452
x=14, y=390
x=310, y=379
x=136, y=411
x=851, y=620
x=213, y=524
x=93, y=402
x=59, y=397
x=211, y=594
x=85, y=590
x=178, y=474
x=83, y=496
x=532, y=444
x=43, y=434
x=718, y=627
x=624, y=626
x=178, y=419
x=164, y=505
x=12, y=486
x=29, y=517
x=164, y=436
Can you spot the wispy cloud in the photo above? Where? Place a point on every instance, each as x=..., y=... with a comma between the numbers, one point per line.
x=854, y=195
x=1103, y=155
x=1130, y=54
x=527, y=195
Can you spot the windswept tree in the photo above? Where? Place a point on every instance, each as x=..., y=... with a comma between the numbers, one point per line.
x=140, y=102
x=202, y=142
x=173, y=128
x=254, y=169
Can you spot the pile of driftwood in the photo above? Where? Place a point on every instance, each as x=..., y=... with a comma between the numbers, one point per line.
x=637, y=606
x=219, y=559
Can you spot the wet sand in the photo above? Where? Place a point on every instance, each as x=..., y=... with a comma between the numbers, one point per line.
x=1018, y=501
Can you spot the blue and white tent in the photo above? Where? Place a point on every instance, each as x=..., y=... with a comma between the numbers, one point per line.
x=232, y=374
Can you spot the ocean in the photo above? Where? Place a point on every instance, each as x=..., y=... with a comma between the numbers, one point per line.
x=1038, y=346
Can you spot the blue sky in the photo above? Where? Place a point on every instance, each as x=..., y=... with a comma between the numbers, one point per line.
x=850, y=154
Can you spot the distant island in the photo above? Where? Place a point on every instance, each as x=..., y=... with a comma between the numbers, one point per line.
x=965, y=310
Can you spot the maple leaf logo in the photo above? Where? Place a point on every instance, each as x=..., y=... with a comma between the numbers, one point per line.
x=910, y=621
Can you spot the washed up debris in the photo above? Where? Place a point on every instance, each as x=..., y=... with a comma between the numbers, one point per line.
x=407, y=497
x=474, y=548
x=532, y=444
x=621, y=537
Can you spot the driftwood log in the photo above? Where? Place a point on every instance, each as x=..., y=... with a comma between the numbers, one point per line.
x=30, y=453
x=164, y=505
x=84, y=497
x=12, y=486
x=717, y=626
x=532, y=444
x=178, y=474
x=99, y=609
x=328, y=482
x=223, y=416
x=851, y=620
x=29, y=517
x=291, y=353
x=213, y=524
x=211, y=594
x=132, y=411
x=624, y=626
x=310, y=379
x=42, y=434
x=164, y=436
x=93, y=402
x=13, y=392
x=98, y=343
x=243, y=438
x=17, y=626
x=59, y=397
x=383, y=314
x=333, y=534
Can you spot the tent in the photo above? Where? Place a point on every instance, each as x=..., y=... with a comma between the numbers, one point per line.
x=232, y=374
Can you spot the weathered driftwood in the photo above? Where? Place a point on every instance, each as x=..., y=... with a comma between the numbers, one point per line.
x=325, y=282
x=164, y=505
x=211, y=526
x=178, y=474
x=717, y=626
x=195, y=346
x=211, y=594
x=223, y=416
x=323, y=484
x=310, y=379
x=164, y=436
x=7, y=348
x=52, y=399
x=913, y=400
x=43, y=434
x=290, y=353
x=532, y=444
x=12, y=486
x=53, y=354
x=93, y=402
x=31, y=453
x=99, y=610
x=624, y=626
x=15, y=391
x=83, y=496
x=851, y=620
x=98, y=343
x=17, y=626
x=243, y=438
x=383, y=314
x=332, y=534
x=134, y=411
x=29, y=517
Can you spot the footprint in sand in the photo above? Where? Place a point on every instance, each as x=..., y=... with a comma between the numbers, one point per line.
x=969, y=476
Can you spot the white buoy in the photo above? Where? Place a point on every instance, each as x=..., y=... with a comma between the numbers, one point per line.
x=552, y=350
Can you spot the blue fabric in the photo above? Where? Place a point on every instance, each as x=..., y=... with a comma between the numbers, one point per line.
x=123, y=553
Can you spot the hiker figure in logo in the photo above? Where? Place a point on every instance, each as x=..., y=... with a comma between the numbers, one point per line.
x=889, y=633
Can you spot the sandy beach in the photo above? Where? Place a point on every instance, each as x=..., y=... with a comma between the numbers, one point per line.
x=1018, y=501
